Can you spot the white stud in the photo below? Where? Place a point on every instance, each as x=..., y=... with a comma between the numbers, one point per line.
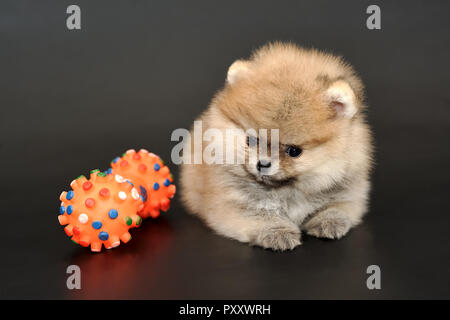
x=119, y=178
x=122, y=195
x=135, y=194
x=83, y=218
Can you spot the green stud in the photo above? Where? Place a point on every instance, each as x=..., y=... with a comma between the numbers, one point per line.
x=123, y=154
x=101, y=174
x=73, y=241
x=95, y=170
x=138, y=221
x=128, y=221
x=80, y=176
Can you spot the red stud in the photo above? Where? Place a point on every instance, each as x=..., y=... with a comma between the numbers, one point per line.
x=89, y=202
x=104, y=192
x=123, y=163
x=76, y=231
x=137, y=156
x=87, y=185
x=142, y=167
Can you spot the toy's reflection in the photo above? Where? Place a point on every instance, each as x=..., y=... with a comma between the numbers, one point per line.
x=114, y=274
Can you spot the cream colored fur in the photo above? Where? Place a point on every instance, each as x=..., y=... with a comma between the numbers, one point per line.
x=316, y=101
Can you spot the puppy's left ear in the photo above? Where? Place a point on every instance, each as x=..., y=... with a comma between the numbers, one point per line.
x=341, y=98
x=239, y=69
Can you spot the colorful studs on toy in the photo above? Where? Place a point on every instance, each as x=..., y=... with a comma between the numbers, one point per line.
x=154, y=184
x=90, y=216
x=100, y=211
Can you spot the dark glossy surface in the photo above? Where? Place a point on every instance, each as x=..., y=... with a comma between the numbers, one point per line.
x=71, y=101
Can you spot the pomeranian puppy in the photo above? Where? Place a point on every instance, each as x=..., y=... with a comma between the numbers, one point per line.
x=319, y=180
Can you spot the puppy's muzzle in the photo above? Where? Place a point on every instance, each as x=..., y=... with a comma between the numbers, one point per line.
x=263, y=164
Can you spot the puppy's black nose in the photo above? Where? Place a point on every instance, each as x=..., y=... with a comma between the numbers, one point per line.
x=263, y=164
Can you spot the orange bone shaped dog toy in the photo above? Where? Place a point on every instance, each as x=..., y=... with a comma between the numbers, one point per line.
x=100, y=211
x=151, y=178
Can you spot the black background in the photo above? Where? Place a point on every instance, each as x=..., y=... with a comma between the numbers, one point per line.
x=70, y=101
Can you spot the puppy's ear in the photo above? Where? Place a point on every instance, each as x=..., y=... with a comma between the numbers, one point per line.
x=341, y=98
x=237, y=70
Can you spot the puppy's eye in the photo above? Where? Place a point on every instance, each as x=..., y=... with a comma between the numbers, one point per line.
x=293, y=151
x=252, y=141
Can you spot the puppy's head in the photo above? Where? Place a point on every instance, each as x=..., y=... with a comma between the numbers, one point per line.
x=311, y=100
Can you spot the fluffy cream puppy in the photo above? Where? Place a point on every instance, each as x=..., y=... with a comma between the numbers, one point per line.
x=319, y=182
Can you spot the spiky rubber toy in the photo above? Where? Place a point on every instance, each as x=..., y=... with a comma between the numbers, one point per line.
x=100, y=211
x=151, y=178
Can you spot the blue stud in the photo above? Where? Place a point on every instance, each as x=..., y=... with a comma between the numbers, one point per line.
x=96, y=225
x=156, y=167
x=156, y=186
x=103, y=236
x=115, y=159
x=113, y=213
x=129, y=182
x=167, y=182
x=143, y=193
x=109, y=171
x=69, y=195
x=69, y=209
x=62, y=210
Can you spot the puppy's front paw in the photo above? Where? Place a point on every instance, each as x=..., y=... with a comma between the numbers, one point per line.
x=331, y=224
x=278, y=238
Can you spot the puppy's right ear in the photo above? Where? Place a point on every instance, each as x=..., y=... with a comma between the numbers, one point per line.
x=237, y=70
